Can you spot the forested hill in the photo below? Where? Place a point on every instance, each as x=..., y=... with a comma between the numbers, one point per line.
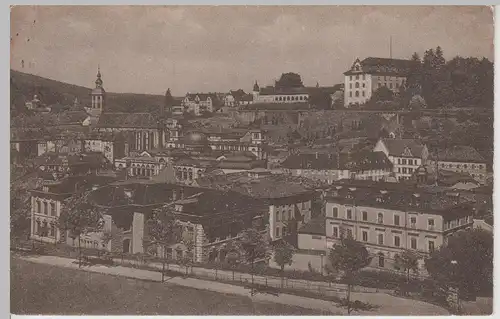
x=55, y=93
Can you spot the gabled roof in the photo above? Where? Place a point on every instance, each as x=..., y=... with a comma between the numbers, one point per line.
x=383, y=66
x=202, y=96
x=127, y=120
x=458, y=153
x=400, y=147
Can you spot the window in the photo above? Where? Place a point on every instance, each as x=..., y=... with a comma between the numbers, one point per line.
x=413, y=243
x=397, y=241
x=45, y=208
x=404, y=161
x=380, y=239
x=431, y=246
x=357, y=93
x=396, y=220
x=363, y=77
x=349, y=233
x=380, y=218
x=381, y=261
x=364, y=85
x=399, y=161
x=52, y=230
x=430, y=222
x=350, y=94
x=38, y=207
x=365, y=235
x=349, y=214
x=363, y=93
x=335, y=232
x=52, y=209
x=335, y=212
x=365, y=215
x=390, y=85
x=277, y=232
x=278, y=216
x=357, y=76
x=413, y=221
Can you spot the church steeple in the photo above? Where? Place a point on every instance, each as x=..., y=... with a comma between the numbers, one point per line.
x=98, y=81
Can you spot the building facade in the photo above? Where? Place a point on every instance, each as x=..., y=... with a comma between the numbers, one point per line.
x=199, y=103
x=406, y=155
x=366, y=76
x=388, y=222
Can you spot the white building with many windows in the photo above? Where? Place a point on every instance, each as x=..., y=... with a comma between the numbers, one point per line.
x=366, y=76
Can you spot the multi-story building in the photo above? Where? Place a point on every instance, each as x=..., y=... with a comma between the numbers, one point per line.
x=211, y=218
x=199, y=103
x=48, y=201
x=236, y=98
x=460, y=159
x=223, y=140
x=406, y=155
x=389, y=220
x=366, y=76
x=288, y=199
x=330, y=167
x=111, y=145
x=61, y=165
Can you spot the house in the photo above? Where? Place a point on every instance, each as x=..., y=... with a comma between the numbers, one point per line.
x=405, y=154
x=461, y=159
x=328, y=167
x=47, y=202
x=366, y=76
x=236, y=98
x=61, y=165
x=432, y=175
x=312, y=236
x=112, y=145
x=390, y=220
x=213, y=218
x=288, y=199
x=199, y=103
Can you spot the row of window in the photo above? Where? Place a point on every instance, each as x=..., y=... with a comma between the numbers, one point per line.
x=357, y=76
x=356, y=85
x=43, y=208
x=404, y=161
x=281, y=232
x=380, y=218
x=396, y=86
x=136, y=171
x=405, y=170
x=284, y=215
x=290, y=98
x=44, y=229
x=380, y=239
x=464, y=166
x=357, y=93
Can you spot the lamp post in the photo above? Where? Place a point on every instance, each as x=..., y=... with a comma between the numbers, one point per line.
x=321, y=255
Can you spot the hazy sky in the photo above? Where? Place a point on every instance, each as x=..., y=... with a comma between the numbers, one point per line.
x=145, y=49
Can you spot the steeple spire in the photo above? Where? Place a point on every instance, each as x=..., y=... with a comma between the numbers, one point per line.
x=98, y=81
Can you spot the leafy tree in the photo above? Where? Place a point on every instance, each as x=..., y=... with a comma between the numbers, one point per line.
x=253, y=246
x=349, y=257
x=289, y=80
x=80, y=216
x=407, y=261
x=382, y=94
x=417, y=103
x=163, y=230
x=466, y=260
x=283, y=255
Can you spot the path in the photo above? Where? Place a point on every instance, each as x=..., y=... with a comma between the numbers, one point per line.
x=388, y=305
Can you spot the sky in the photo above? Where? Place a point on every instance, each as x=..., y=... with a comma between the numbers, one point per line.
x=147, y=49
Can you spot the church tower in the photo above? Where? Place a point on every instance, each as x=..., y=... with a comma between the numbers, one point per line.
x=98, y=95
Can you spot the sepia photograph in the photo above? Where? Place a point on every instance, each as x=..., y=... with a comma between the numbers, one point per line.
x=271, y=160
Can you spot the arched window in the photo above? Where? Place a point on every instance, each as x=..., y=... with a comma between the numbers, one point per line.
x=190, y=174
x=52, y=230
x=357, y=93
x=357, y=85
x=184, y=174
x=38, y=207
x=37, y=226
x=45, y=228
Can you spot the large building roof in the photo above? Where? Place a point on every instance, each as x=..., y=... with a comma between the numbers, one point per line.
x=458, y=153
x=397, y=147
x=316, y=226
x=360, y=161
x=383, y=66
x=127, y=120
x=268, y=187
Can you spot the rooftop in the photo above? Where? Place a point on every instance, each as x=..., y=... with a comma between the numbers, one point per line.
x=399, y=147
x=383, y=66
x=458, y=153
x=127, y=120
x=359, y=161
x=315, y=226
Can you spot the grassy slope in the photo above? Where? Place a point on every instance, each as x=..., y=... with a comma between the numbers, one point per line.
x=42, y=289
x=24, y=86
